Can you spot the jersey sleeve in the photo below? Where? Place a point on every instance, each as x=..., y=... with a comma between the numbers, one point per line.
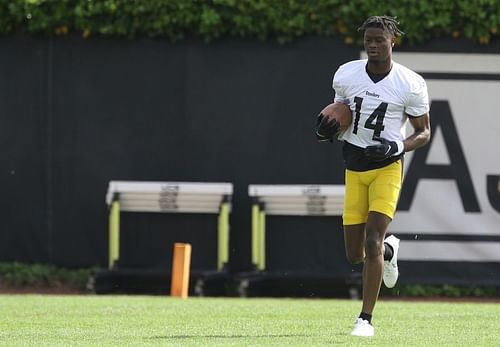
x=338, y=87
x=418, y=101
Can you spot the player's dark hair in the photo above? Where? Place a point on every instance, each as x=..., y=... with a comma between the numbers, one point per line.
x=384, y=22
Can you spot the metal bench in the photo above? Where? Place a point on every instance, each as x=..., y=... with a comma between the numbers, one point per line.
x=169, y=197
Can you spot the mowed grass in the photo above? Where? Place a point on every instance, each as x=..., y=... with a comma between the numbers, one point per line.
x=47, y=320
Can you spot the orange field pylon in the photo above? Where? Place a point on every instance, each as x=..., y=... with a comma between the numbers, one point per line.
x=180, y=270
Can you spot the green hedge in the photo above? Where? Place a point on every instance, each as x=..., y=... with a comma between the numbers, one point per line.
x=20, y=275
x=446, y=290
x=281, y=20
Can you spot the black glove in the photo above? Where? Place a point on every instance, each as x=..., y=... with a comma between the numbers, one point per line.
x=383, y=151
x=326, y=128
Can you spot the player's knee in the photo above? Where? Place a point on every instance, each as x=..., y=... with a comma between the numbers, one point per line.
x=373, y=246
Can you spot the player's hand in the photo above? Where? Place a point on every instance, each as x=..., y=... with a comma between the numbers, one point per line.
x=382, y=151
x=326, y=128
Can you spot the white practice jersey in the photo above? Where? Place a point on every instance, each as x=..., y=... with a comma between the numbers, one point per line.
x=379, y=109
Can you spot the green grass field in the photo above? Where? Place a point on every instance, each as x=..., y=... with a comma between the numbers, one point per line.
x=48, y=320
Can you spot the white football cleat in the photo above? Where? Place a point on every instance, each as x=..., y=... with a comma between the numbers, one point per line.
x=391, y=272
x=363, y=328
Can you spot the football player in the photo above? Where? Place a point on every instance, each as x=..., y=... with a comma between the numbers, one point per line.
x=383, y=95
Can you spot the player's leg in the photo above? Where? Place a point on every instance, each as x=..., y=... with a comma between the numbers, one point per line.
x=383, y=197
x=354, y=219
x=354, y=241
x=354, y=216
x=376, y=227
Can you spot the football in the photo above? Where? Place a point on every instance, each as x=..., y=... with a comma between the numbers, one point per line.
x=340, y=112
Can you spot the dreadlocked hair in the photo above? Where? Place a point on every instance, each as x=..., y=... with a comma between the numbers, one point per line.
x=384, y=22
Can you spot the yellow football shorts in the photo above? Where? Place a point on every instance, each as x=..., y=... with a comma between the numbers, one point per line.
x=373, y=190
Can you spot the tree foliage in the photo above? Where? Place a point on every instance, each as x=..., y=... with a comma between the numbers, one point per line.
x=281, y=20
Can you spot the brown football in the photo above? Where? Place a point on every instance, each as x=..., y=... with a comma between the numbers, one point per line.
x=341, y=112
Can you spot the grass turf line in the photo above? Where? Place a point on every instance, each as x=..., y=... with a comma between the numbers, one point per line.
x=47, y=320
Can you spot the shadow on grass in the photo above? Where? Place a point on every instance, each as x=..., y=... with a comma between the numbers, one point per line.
x=174, y=337
x=194, y=336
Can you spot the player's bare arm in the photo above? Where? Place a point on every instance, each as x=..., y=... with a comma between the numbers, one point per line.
x=421, y=134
